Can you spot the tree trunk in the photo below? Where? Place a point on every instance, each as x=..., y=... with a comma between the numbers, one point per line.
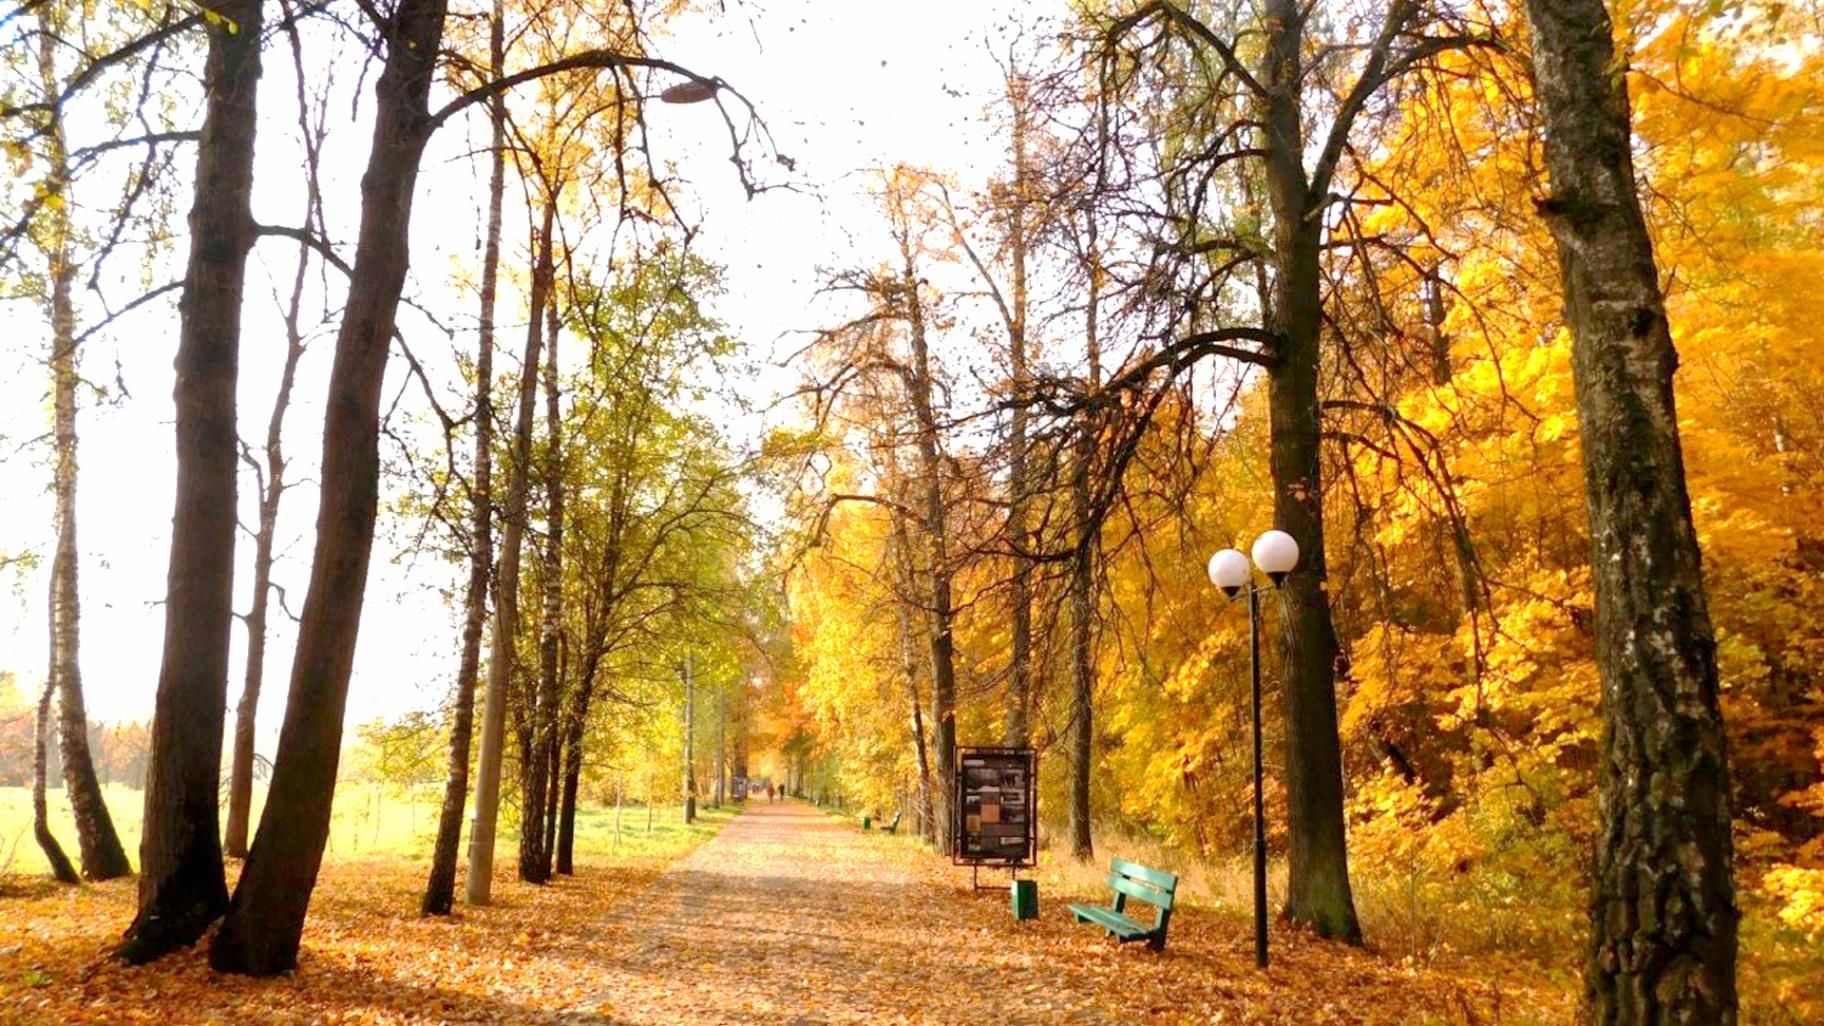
x=1082, y=650
x=925, y=816
x=554, y=725
x=690, y=743
x=103, y=858
x=540, y=769
x=721, y=741
x=240, y=774
x=502, y=651
x=575, y=723
x=181, y=885
x=1434, y=326
x=1082, y=569
x=1663, y=917
x=931, y=483
x=440, y=889
x=261, y=931
x=1318, y=892
x=548, y=846
x=272, y=489
x=1019, y=670
x=41, y=818
x=909, y=667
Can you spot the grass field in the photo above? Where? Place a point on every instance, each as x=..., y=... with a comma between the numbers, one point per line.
x=368, y=822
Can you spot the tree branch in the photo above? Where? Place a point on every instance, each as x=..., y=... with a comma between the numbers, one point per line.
x=597, y=59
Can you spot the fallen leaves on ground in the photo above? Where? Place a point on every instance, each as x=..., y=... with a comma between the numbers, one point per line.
x=368, y=957
x=786, y=917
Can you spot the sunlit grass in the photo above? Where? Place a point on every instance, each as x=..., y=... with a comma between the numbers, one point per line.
x=368, y=821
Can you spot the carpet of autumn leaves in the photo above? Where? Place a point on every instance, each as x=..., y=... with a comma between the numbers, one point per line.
x=788, y=916
x=368, y=957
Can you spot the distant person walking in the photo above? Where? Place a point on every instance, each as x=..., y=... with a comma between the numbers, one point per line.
x=769, y=793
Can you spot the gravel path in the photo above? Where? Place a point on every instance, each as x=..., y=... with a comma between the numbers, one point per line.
x=790, y=917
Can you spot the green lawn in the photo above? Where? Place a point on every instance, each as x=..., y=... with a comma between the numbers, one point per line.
x=368, y=821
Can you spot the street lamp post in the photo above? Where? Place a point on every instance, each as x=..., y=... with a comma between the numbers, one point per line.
x=1275, y=553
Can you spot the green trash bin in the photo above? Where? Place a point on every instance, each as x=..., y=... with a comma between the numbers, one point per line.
x=867, y=822
x=1025, y=899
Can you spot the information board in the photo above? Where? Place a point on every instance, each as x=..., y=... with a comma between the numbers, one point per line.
x=996, y=818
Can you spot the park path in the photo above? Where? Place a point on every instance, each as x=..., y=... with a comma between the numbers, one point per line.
x=790, y=917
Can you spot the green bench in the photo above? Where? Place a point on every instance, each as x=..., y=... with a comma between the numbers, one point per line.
x=1155, y=887
x=893, y=827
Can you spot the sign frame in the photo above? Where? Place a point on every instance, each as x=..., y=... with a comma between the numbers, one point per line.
x=1011, y=776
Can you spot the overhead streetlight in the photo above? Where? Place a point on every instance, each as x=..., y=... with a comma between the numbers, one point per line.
x=1276, y=554
x=691, y=90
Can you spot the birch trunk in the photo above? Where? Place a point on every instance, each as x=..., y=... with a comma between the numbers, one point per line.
x=41, y=818
x=103, y=858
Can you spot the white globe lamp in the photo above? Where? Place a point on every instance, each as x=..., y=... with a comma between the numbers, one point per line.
x=1276, y=553
x=1229, y=571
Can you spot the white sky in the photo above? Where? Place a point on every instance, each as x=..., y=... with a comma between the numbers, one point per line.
x=843, y=87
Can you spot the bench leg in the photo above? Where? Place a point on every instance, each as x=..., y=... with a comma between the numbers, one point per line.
x=1156, y=942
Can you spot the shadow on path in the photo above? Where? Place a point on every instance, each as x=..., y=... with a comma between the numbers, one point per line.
x=790, y=917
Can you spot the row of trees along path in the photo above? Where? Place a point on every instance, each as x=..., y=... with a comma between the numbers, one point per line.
x=1664, y=918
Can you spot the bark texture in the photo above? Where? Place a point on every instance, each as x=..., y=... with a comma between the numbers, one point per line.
x=440, y=889
x=260, y=933
x=1018, y=731
x=1318, y=892
x=1663, y=916
x=1082, y=652
x=936, y=530
x=1082, y=569
x=181, y=885
x=908, y=659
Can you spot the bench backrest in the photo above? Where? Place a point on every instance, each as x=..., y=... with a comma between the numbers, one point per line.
x=1142, y=883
